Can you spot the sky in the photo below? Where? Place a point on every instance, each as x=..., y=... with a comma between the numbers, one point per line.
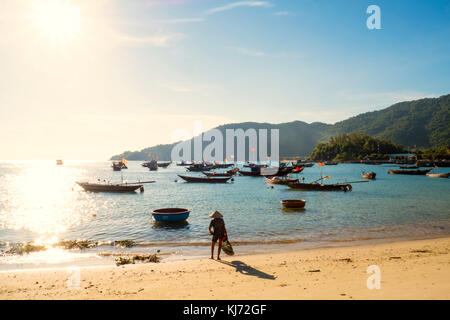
x=88, y=79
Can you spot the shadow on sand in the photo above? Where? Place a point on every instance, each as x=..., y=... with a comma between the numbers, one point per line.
x=247, y=270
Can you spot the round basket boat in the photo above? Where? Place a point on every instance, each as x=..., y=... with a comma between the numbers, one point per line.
x=170, y=214
x=293, y=204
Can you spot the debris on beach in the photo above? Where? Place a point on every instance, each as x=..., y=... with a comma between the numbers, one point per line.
x=77, y=244
x=21, y=248
x=124, y=243
x=137, y=258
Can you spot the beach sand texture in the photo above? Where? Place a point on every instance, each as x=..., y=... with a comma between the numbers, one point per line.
x=418, y=269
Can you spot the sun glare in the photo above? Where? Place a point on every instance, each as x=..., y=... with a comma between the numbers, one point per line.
x=57, y=20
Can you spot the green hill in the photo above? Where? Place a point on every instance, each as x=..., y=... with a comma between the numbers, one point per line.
x=354, y=146
x=420, y=123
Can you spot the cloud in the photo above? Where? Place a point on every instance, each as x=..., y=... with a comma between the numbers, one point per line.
x=249, y=52
x=182, y=20
x=154, y=40
x=239, y=4
x=282, y=13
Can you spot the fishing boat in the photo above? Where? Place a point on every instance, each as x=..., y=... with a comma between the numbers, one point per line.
x=199, y=167
x=222, y=165
x=410, y=172
x=278, y=180
x=170, y=214
x=184, y=164
x=115, y=188
x=220, y=174
x=314, y=186
x=438, y=175
x=204, y=180
x=330, y=163
x=254, y=165
x=164, y=164
x=293, y=204
x=369, y=175
x=117, y=166
x=255, y=172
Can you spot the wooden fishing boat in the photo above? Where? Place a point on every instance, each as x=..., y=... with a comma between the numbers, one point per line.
x=222, y=165
x=117, y=166
x=220, y=174
x=321, y=187
x=253, y=173
x=438, y=175
x=278, y=180
x=115, y=188
x=170, y=214
x=330, y=163
x=369, y=175
x=164, y=164
x=410, y=172
x=293, y=204
x=204, y=180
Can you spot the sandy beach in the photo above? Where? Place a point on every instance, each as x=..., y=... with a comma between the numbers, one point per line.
x=408, y=270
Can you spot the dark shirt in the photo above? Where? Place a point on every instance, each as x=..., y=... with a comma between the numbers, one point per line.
x=218, y=225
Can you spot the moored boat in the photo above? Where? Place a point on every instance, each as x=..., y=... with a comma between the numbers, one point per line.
x=438, y=175
x=293, y=203
x=114, y=188
x=369, y=175
x=321, y=187
x=278, y=180
x=410, y=172
x=170, y=214
x=204, y=180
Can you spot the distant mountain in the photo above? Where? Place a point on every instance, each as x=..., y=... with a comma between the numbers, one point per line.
x=421, y=123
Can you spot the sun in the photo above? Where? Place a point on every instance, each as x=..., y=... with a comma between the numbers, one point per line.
x=56, y=20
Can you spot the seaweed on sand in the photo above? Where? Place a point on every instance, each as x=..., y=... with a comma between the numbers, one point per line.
x=139, y=258
x=124, y=243
x=77, y=244
x=27, y=248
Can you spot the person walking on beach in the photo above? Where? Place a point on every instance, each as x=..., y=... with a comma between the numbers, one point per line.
x=218, y=231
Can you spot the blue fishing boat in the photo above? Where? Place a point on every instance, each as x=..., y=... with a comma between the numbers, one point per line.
x=170, y=214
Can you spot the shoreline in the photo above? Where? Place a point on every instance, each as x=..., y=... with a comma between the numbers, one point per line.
x=93, y=257
x=410, y=269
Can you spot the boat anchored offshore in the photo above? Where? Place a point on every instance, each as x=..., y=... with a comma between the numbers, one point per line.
x=204, y=180
x=438, y=175
x=369, y=175
x=170, y=214
x=113, y=188
x=293, y=204
x=410, y=172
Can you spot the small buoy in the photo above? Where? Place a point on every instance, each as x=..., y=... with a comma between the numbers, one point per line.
x=175, y=180
x=94, y=214
x=270, y=208
x=141, y=189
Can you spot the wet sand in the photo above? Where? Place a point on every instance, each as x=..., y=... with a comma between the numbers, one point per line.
x=418, y=269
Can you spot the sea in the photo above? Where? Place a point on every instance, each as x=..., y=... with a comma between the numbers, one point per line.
x=41, y=204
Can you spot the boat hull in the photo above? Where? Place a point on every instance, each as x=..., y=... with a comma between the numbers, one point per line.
x=204, y=180
x=171, y=214
x=293, y=204
x=438, y=175
x=320, y=187
x=93, y=187
x=410, y=172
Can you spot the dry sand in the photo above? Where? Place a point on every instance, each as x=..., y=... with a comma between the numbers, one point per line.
x=409, y=270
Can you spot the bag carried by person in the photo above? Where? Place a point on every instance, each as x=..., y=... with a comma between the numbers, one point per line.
x=226, y=246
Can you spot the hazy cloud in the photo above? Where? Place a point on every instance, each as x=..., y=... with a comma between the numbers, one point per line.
x=239, y=4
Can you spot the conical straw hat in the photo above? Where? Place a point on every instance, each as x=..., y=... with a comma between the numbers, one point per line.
x=216, y=214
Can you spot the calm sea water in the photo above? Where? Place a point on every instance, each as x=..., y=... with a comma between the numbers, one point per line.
x=40, y=203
